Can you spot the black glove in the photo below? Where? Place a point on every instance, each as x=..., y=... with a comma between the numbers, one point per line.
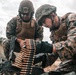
x=44, y=47
x=38, y=58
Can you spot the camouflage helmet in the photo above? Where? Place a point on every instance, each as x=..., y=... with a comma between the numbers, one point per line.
x=26, y=6
x=44, y=10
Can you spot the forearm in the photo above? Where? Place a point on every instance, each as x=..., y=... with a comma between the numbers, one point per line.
x=44, y=47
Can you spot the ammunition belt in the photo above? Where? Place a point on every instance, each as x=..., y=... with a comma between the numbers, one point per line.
x=26, y=57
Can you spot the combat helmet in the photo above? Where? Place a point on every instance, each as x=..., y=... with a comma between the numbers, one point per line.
x=26, y=6
x=43, y=11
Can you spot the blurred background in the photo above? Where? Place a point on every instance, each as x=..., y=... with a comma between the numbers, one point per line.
x=9, y=9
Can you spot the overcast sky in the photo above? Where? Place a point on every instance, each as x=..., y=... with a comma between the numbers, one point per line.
x=9, y=9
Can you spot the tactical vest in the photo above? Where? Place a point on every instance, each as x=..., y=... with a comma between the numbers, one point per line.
x=25, y=29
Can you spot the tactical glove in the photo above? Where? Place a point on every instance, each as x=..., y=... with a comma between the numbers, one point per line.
x=44, y=47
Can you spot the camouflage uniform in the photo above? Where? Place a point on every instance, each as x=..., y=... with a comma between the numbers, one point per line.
x=21, y=29
x=14, y=27
x=64, y=39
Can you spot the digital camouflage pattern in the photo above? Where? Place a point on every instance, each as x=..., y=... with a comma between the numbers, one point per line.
x=65, y=37
x=12, y=26
x=19, y=28
x=26, y=6
x=22, y=29
x=15, y=27
x=44, y=10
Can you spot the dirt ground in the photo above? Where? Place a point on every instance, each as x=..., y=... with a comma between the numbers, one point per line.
x=53, y=67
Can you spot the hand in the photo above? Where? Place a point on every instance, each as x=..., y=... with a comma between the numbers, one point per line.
x=21, y=42
x=44, y=47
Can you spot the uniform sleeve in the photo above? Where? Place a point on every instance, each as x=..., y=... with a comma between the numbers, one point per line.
x=66, y=49
x=39, y=32
x=11, y=28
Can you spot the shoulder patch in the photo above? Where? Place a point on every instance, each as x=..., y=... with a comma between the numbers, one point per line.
x=72, y=17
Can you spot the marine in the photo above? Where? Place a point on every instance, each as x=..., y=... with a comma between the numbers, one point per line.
x=63, y=36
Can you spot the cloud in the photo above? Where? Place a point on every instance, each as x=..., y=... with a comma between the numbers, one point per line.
x=71, y=5
x=9, y=9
